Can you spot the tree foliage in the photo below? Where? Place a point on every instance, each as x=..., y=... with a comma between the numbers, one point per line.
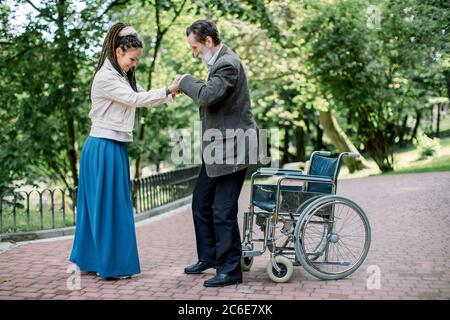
x=303, y=58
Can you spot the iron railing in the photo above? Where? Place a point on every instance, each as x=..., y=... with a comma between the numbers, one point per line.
x=160, y=189
x=23, y=211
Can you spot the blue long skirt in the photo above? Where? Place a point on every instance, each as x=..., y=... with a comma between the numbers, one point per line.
x=105, y=237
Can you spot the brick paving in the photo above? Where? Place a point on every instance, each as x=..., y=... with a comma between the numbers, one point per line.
x=410, y=220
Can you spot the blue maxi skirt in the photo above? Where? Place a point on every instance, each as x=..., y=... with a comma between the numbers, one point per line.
x=105, y=237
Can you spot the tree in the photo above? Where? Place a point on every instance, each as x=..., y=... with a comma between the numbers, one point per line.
x=46, y=92
x=366, y=70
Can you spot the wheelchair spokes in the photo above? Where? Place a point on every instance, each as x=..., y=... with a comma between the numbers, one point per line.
x=335, y=244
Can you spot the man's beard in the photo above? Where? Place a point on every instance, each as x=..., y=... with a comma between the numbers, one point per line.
x=206, y=55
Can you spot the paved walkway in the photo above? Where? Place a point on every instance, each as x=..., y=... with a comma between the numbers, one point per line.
x=410, y=220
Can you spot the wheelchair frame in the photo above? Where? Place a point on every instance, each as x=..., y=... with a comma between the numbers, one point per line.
x=272, y=218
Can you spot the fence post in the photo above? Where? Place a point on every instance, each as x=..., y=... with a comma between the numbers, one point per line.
x=1, y=214
x=74, y=197
x=63, y=206
x=28, y=210
x=52, y=207
x=41, y=210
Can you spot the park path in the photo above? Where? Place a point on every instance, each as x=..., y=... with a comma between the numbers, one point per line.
x=410, y=220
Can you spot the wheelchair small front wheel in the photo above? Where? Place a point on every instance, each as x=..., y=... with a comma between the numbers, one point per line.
x=246, y=263
x=286, y=270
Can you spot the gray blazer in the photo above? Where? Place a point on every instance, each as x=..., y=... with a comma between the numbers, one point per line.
x=224, y=106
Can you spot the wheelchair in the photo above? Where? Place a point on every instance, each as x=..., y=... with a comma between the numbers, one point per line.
x=301, y=221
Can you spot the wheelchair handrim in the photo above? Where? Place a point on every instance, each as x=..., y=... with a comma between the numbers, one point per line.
x=305, y=218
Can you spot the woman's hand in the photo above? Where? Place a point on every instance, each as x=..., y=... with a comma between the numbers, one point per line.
x=174, y=87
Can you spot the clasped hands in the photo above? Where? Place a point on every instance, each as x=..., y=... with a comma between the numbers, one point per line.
x=174, y=86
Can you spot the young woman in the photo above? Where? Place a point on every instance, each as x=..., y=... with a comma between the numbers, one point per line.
x=105, y=239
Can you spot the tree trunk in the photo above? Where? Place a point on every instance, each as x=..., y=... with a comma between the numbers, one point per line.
x=160, y=32
x=141, y=116
x=72, y=151
x=340, y=141
x=447, y=81
x=300, y=144
x=438, y=120
x=416, y=126
x=402, y=132
x=68, y=79
x=378, y=145
x=319, y=141
x=285, y=158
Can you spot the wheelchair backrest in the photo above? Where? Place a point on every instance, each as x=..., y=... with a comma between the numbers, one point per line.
x=323, y=166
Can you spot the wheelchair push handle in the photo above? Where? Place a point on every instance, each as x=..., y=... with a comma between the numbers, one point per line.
x=352, y=154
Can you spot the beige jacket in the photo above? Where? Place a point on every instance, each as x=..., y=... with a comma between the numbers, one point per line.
x=114, y=102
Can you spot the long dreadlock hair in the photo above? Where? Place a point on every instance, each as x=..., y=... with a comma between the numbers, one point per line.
x=113, y=41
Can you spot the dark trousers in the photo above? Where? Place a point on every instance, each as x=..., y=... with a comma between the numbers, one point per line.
x=215, y=209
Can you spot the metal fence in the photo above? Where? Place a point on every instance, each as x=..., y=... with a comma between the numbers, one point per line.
x=44, y=209
x=160, y=189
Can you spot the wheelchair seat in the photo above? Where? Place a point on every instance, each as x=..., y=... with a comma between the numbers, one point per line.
x=264, y=195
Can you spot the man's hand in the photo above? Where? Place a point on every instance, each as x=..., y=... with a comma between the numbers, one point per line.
x=179, y=77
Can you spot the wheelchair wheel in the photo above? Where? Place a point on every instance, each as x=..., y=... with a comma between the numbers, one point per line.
x=332, y=238
x=321, y=231
x=246, y=263
x=286, y=270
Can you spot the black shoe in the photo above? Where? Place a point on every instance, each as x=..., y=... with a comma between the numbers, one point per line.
x=223, y=279
x=114, y=278
x=198, y=267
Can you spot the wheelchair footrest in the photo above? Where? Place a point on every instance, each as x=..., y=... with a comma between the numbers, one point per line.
x=339, y=263
x=251, y=253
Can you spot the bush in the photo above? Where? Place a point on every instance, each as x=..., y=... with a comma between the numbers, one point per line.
x=426, y=146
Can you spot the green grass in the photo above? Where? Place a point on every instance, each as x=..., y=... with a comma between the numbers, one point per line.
x=440, y=163
x=34, y=223
x=408, y=160
x=445, y=124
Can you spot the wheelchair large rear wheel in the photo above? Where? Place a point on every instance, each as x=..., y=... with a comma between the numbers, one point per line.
x=332, y=238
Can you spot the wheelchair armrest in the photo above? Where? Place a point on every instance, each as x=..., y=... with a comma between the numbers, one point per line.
x=279, y=172
x=309, y=178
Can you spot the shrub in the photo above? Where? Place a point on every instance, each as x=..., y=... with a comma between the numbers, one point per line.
x=427, y=146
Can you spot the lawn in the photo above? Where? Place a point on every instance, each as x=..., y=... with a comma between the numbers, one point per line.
x=408, y=161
